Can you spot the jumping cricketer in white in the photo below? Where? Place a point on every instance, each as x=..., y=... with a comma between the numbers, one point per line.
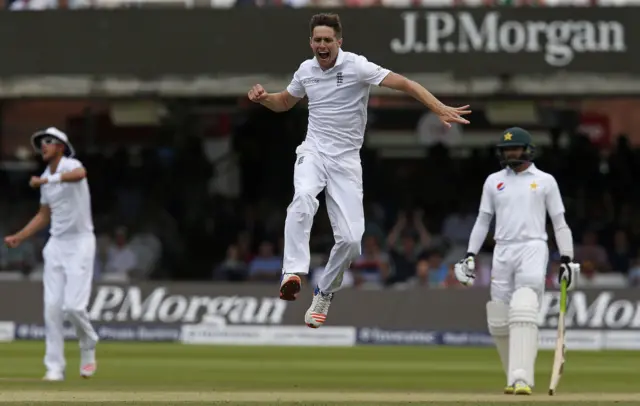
x=520, y=196
x=337, y=85
x=69, y=254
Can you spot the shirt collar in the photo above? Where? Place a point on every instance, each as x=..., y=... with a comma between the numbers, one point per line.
x=339, y=60
x=531, y=169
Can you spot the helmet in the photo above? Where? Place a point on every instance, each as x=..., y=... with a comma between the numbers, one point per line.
x=516, y=137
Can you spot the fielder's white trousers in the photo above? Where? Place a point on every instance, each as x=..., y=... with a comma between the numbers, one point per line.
x=517, y=265
x=341, y=178
x=67, y=279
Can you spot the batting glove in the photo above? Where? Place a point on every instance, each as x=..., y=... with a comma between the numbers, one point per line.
x=465, y=270
x=570, y=271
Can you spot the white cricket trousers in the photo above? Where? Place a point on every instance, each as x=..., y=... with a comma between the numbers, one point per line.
x=341, y=178
x=67, y=279
x=518, y=265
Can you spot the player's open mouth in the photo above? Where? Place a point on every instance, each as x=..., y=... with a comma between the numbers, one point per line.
x=324, y=55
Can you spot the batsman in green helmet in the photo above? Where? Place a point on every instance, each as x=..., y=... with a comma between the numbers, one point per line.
x=520, y=196
x=515, y=148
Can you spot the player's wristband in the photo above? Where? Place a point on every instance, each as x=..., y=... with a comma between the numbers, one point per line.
x=57, y=178
x=470, y=254
x=565, y=259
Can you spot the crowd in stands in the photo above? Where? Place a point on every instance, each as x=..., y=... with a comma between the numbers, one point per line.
x=156, y=218
x=83, y=4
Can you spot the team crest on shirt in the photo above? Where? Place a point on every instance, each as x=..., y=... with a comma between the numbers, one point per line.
x=500, y=186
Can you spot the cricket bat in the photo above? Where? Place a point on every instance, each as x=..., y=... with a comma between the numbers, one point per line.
x=559, y=355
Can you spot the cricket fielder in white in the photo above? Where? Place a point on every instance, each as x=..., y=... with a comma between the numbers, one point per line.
x=69, y=254
x=520, y=196
x=337, y=85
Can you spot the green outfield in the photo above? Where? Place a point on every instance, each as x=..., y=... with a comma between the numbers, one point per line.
x=174, y=374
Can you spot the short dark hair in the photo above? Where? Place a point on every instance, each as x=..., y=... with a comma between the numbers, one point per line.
x=326, y=20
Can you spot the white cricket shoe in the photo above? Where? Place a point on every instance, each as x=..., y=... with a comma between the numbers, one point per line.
x=290, y=286
x=53, y=376
x=88, y=364
x=317, y=313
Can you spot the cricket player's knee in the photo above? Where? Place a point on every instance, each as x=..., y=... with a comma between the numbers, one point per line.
x=53, y=307
x=524, y=306
x=350, y=247
x=498, y=318
x=303, y=203
x=501, y=292
x=73, y=313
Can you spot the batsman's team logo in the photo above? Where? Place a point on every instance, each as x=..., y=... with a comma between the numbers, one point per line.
x=500, y=186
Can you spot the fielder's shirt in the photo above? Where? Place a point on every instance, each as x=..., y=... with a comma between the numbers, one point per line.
x=70, y=202
x=520, y=203
x=338, y=99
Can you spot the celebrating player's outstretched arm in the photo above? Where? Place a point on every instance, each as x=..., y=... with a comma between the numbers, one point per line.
x=446, y=113
x=337, y=85
x=520, y=196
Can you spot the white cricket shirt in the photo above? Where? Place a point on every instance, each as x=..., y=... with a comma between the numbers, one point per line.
x=70, y=202
x=520, y=203
x=338, y=99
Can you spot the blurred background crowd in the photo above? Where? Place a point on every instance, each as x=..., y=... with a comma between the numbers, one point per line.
x=197, y=188
x=204, y=196
x=83, y=4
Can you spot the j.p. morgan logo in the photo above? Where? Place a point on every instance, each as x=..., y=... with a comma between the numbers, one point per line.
x=604, y=312
x=559, y=41
x=127, y=304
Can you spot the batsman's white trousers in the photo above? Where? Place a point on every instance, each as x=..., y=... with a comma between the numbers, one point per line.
x=518, y=265
x=341, y=177
x=67, y=279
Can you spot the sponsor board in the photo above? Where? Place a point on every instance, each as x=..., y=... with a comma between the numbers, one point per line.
x=174, y=304
x=576, y=340
x=105, y=332
x=607, y=309
x=581, y=340
x=621, y=340
x=397, y=337
x=269, y=335
x=7, y=331
x=161, y=305
x=170, y=304
x=557, y=41
x=504, y=40
x=466, y=339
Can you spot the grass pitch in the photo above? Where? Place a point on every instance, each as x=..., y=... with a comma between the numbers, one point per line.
x=174, y=374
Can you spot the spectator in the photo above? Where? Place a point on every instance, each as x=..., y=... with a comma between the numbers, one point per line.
x=372, y=267
x=232, y=268
x=457, y=226
x=590, y=251
x=405, y=250
x=634, y=271
x=266, y=266
x=433, y=271
x=621, y=254
x=103, y=243
x=120, y=257
x=244, y=243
